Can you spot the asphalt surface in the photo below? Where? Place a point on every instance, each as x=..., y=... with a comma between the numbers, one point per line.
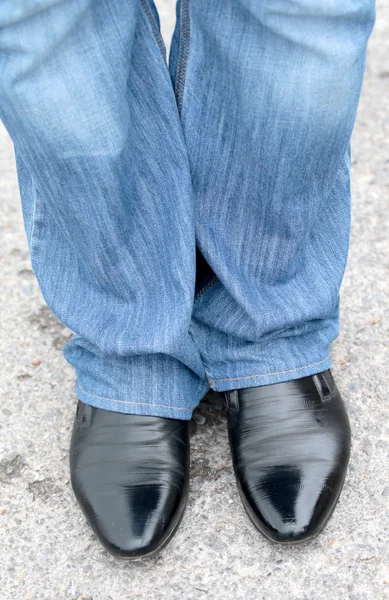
x=47, y=550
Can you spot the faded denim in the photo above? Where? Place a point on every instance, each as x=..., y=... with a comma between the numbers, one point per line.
x=241, y=148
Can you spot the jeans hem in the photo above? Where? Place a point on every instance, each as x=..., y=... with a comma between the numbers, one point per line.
x=133, y=407
x=258, y=379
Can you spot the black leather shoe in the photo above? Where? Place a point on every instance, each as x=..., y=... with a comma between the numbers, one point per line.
x=290, y=446
x=130, y=475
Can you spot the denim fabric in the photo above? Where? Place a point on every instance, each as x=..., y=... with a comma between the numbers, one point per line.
x=242, y=149
x=269, y=104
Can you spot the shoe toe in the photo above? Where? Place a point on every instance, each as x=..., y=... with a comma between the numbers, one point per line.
x=135, y=520
x=291, y=505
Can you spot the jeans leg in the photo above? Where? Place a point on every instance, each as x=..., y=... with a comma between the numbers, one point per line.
x=86, y=96
x=268, y=107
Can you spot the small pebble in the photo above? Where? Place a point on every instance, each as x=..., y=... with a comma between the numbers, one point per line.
x=199, y=418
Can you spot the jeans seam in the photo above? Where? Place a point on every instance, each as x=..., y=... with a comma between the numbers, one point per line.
x=183, y=53
x=210, y=284
x=320, y=362
x=127, y=402
x=154, y=28
x=33, y=219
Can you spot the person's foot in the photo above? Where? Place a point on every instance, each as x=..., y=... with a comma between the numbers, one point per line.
x=130, y=475
x=290, y=445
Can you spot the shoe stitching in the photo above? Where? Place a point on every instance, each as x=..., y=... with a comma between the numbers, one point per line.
x=133, y=403
x=320, y=362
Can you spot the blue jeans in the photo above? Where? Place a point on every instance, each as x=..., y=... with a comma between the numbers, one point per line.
x=236, y=158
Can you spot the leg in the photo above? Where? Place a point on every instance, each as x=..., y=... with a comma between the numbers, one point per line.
x=107, y=197
x=267, y=107
x=86, y=96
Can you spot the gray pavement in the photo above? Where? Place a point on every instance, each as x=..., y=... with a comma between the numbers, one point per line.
x=48, y=551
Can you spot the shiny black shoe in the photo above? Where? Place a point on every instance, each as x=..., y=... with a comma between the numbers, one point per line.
x=290, y=445
x=130, y=475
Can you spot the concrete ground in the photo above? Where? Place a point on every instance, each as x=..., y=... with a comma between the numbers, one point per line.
x=47, y=550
